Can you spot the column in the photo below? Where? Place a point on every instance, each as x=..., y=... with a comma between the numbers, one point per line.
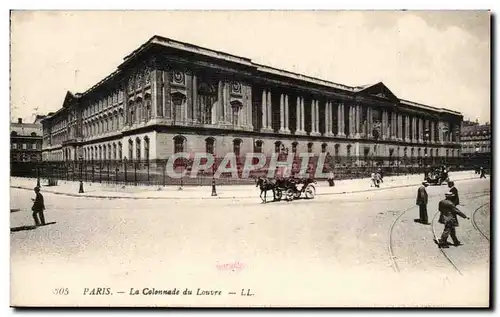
x=269, y=111
x=196, y=109
x=264, y=109
x=358, y=121
x=166, y=96
x=287, y=115
x=316, y=108
x=369, y=123
x=125, y=106
x=421, y=130
x=297, y=115
x=327, y=120
x=302, y=115
x=400, y=127
x=188, y=111
x=394, y=126
x=407, y=128
x=433, y=131
x=314, y=117
x=282, y=113
x=340, y=121
x=414, y=129
x=157, y=94
x=220, y=103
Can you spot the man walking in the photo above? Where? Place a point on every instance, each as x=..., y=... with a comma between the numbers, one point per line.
x=453, y=190
x=38, y=208
x=448, y=217
x=422, y=199
x=482, y=173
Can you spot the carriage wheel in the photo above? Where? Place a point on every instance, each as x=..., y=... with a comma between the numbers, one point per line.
x=279, y=194
x=310, y=192
x=289, y=194
x=296, y=194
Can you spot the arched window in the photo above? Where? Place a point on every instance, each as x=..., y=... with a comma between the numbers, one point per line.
x=119, y=150
x=33, y=133
x=138, y=148
x=146, y=148
x=237, y=147
x=139, y=110
x=278, y=146
x=324, y=147
x=209, y=145
x=179, y=144
x=258, y=146
x=130, y=149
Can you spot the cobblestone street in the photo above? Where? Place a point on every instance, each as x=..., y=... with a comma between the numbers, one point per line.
x=334, y=250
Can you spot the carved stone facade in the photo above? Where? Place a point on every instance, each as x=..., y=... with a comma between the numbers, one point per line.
x=170, y=96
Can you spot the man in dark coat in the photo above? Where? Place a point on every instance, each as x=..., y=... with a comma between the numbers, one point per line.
x=38, y=208
x=422, y=199
x=482, y=173
x=448, y=217
x=455, y=199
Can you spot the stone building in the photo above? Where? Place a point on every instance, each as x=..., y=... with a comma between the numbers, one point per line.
x=475, y=138
x=26, y=141
x=168, y=96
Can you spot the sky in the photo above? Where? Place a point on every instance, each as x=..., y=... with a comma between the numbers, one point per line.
x=438, y=58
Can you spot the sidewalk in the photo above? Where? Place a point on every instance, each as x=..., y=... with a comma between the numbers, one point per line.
x=112, y=191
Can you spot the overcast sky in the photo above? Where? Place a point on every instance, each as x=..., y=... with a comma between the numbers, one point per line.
x=437, y=58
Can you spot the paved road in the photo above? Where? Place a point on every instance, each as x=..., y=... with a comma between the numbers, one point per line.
x=333, y=250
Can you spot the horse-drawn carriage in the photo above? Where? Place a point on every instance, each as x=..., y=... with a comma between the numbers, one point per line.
x=437, y=176
x=287, y=188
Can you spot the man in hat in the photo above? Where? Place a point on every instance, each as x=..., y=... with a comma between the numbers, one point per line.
x=422, y=199
x=448, y=217
x=454, y=191
x=38, y=208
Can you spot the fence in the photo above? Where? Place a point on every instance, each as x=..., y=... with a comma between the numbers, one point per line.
x=155, y=172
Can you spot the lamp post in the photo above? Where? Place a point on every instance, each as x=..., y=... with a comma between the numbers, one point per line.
x=81, y=177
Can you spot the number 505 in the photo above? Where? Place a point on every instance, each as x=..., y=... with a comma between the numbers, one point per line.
x=61, y=291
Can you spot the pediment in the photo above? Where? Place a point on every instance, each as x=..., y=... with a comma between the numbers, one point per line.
x=378, y=90
x=68, y=99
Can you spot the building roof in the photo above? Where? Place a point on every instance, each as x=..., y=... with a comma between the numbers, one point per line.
x=26, y=129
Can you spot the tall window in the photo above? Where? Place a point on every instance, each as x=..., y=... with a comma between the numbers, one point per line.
x=148, y=109
x=349, y=150
x=119, y=150
x=236, y=111
x=146, y=148
x=179, y=144
x=109, y=152
x=237, y=147
x=294, y=147
x=277, y=146
x=207, y=96
x=310, y=147
x=138, y=148
x=130, y=149
x=323, y=147
x=337, y=150
x=209, y=145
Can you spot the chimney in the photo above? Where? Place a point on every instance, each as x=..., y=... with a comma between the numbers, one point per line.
x=19, y=120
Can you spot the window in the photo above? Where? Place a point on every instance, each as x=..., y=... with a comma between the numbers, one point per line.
x=236, y=110
x=146, y=148
x=138, y=148
x=25, y=146
x=119, y=150
x=349, y=151
x=14, y=146
x=33, y=146
x=237, y=147
x=130, y=149
x=337, y=150
x=277, y=146
x=323, y=147
x=310, y=147
x=33, y=133
x=179, y=144
x=109, y=152
x=294, y=147
x=209, y=145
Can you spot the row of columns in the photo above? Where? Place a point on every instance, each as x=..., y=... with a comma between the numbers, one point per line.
x=392, y=124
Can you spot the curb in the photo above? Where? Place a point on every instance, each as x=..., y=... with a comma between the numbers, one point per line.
x=219, y=197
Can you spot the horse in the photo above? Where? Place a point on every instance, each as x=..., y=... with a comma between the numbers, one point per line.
x=265, y=185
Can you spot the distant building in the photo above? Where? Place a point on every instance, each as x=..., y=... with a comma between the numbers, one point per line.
x=26, y=140
x=475, y=138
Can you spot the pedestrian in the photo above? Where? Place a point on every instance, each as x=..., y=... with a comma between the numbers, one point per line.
x=448, y=217
x=454, y=191
x=38, y=208
x=422, y=199
x=482, y=172
x=331, y=181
